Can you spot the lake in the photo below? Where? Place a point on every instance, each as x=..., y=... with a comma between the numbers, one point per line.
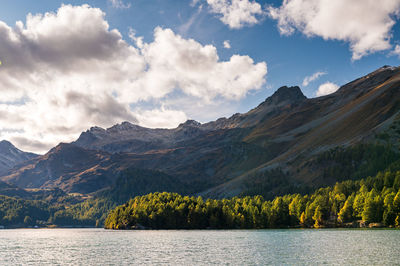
x=200, y=247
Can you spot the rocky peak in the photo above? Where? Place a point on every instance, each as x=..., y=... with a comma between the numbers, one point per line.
x=287, y=94
x=96, y=129
x=7, y=147
x=4, y=144
x=10, y=155
x=124, y=126
x=385, y=70
x=387, y=67
x=189, y=123
x=369, y=81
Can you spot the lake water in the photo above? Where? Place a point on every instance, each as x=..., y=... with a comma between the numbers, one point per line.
x=253, y=247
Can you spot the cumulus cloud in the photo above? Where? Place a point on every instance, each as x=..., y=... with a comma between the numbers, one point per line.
x=237, y=13
x=66, y=71
x=396, y=50
x=326, y=88
x=119, y=4
x=175, y=62
x=161, y=117
x=307, y=80
x=227, y=44
x=366, y=25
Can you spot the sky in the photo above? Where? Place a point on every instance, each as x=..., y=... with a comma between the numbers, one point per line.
x=69, y=65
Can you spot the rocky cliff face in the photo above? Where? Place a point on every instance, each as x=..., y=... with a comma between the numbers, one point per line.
x=275, y=143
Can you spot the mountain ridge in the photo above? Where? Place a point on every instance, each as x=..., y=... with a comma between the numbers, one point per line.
x=11, y=156
x=277, y=142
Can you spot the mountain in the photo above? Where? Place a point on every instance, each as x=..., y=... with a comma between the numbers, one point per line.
x=69, y=167
x=77, y=170
x=126, y=137
x=10, y=156
x=356, y=114
x=289, y=143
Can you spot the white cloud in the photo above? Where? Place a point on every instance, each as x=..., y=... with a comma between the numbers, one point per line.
x=366, y=25
x=237, y=13
x=174, y=62
x=307, y=80
x=119, y=4
x=194, y=2
x=66, y=71
x=326, y=88
x=161, y=118
x=396, y=50
x=227, y=44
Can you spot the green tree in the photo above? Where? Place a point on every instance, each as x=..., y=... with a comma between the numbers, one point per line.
x=372, y=209
x=358, y=205
x=27, y=220
x=396, y=182
x=396, y=202
x=303, y=219
x=317, y=217
x=346, y=213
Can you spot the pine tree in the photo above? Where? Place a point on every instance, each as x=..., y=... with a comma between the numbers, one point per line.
x=317, y=217
x=358, y=205
x=396, y=202
x=303, y=219
x=346, y=213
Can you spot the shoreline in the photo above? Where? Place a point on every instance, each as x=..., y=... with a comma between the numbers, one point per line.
x=210, y=229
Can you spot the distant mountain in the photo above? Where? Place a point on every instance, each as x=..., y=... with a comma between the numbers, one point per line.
x=126, y=137
x=67, y=166
x=10, y=156
x=288, y=143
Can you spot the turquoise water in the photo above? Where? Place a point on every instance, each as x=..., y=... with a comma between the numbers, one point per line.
x=255, y=247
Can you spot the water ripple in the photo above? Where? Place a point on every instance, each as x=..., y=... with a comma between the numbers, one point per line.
x=202, y=247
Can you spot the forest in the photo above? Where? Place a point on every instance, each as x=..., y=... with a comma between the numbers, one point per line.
x=347, y=204
x=351, y=203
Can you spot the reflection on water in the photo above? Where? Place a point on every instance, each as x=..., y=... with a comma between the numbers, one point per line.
x=279, y=247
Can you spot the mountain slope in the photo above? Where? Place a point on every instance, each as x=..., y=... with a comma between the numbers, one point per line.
x=10, y=156
x=356, y=113
x=66, y=166
x=284, y=145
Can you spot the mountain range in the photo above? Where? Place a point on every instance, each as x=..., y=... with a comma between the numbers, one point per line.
x=288, y=143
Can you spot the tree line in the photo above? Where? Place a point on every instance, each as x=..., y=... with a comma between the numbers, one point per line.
x=371, y=200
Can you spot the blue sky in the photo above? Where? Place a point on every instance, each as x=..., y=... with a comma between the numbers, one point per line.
x=298, y=47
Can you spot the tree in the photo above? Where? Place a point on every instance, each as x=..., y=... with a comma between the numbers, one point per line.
x=317, y=217
x=372, y=209
x=27, y=220
x=280, y=213
x=346, y=213
x=389, y=217
x=396, y=202
x=303, y=219
x=388, y=179
x=396, y=182
x=358, y=205
x=296, y=209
